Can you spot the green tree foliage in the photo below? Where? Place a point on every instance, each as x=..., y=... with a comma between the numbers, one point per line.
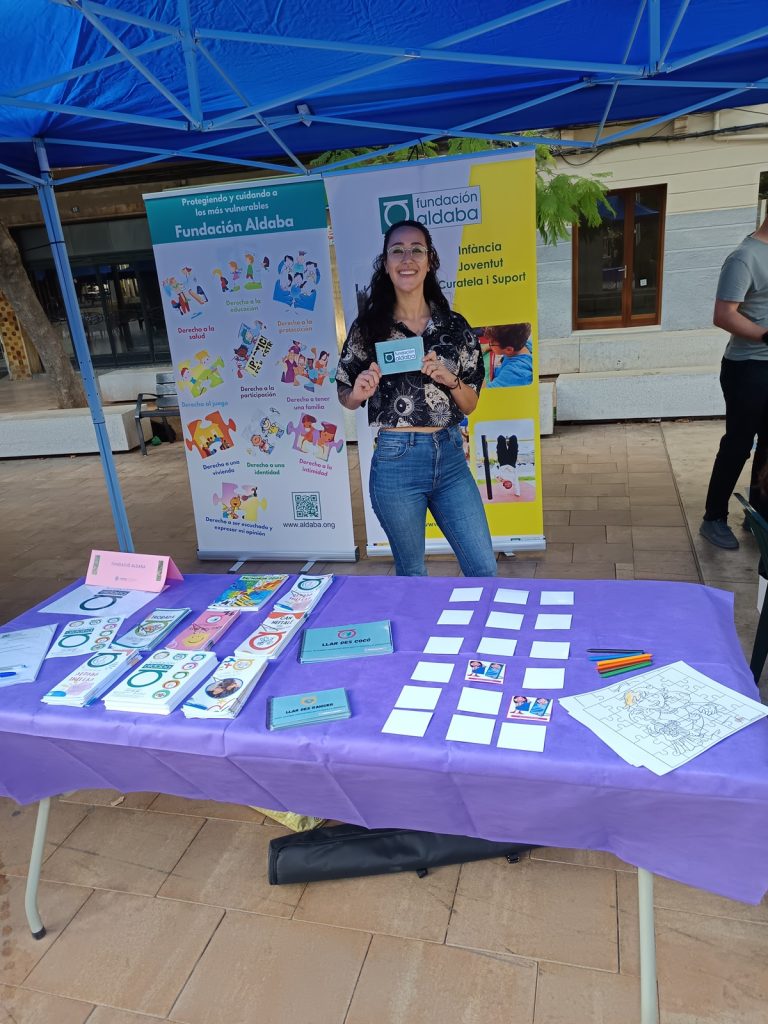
x=562, y=200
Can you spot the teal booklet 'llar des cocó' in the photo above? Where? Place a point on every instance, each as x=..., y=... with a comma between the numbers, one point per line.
x=357, y=640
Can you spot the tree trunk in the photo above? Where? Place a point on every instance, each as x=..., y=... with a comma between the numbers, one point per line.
x=17, y=288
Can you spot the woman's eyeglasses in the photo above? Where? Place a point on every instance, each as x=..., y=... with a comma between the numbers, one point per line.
x=399, y=252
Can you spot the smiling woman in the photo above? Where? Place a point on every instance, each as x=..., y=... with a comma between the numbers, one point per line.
x=419, y=461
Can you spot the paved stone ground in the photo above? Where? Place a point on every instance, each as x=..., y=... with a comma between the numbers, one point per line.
x=157, y=907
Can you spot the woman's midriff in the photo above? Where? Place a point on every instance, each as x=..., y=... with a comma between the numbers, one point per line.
x=411, y=430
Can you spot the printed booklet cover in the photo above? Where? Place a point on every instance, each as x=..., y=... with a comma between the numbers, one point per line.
x=248, y=593
x=307, y=708
x=272, y=635
x=151, y=630
x=91, y=679
x=226, y=691
x=354, y=641
x=165, y=679
x=204, y=632
x=304, y=594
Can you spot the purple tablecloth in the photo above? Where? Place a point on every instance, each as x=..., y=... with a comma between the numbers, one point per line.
x=705, y=824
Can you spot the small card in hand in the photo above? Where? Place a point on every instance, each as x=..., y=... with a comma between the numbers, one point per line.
x=401, y=355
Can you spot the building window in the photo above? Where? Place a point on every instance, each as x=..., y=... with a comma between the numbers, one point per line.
x=617, y=266
x=116, y=285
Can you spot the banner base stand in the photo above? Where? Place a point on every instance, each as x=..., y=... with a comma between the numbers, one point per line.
x=289, y=555
x=504, y=545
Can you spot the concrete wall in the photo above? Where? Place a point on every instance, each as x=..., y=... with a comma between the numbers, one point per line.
x=695, y=246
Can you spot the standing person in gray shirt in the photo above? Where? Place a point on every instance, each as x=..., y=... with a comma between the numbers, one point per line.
x=742, y=309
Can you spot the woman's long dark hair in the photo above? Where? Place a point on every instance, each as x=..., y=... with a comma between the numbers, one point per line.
x=375, y=319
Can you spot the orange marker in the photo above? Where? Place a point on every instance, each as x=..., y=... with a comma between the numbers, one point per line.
x=620, y=662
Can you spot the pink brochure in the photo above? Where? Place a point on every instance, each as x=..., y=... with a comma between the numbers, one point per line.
x=131, y=571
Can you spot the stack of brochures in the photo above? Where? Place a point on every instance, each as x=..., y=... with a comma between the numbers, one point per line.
x=354, y=641
x=22, y=652
x=272, y=635
x=92, y=679
x=662, y=719
x=304, y=594
x=165, y=679
x=227, y=690
x=248, y=593
x=307, y=708
x=151, y=630
x=204, y=632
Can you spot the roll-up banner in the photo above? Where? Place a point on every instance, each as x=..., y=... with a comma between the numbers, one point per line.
x=480, y=211
x=245, y=278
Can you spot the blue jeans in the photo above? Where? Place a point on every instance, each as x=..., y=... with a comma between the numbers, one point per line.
x=412, y=472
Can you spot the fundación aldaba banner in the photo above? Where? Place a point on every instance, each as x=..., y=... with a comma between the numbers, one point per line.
x=245, y=278
x=480, y=211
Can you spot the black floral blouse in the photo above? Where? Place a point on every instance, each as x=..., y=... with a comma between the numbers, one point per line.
x=411, y=399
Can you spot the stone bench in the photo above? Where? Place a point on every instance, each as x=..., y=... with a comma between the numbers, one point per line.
x=66, y=431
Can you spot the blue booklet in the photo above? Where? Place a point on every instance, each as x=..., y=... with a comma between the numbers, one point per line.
x=354, y=641
x=307, y=708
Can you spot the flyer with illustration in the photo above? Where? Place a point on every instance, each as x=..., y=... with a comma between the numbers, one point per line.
x=245, y=279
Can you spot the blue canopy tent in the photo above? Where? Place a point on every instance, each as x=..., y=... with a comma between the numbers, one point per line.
x=92, y=88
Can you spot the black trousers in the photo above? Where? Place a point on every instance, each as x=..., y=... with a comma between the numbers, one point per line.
x=745, y=389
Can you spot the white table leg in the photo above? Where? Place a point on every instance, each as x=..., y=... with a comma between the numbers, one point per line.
x=35, y=864
x=649, y=998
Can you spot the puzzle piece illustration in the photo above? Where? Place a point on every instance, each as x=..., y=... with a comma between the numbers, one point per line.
x=212, y=437
x=201, y=374
x=238, y=501
x=321, y=438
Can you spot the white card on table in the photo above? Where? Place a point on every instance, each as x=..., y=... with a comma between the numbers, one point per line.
x=407, y=723
x=466, y=729
x=466, y=594
x=544, y=679
x=455, y=617
x=444, y=645
x=432, y=672
x=553, y=622
x=511, y=597
x=558, y=650
x=516, y=736
x=504, y=620
x=479, y=702
x=495, y=645
x=557, y=597
x=418, y=698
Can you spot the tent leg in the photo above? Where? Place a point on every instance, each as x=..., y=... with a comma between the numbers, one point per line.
x=649, y=999
x=74, y=318
x=36, y=926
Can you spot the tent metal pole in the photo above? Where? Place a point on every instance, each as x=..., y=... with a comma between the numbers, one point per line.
x=673, y=32
x=352, y=76
x=142, y=69
x=615, y=86
x=55, y=232
x=673, y=114
x=101, y=115
x=654, y=36
x=190, y=60
x=713, y=51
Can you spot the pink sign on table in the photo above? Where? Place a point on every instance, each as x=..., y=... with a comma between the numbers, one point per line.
x=131, y=571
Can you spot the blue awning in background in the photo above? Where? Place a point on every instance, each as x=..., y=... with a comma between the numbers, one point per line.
x=128, y=81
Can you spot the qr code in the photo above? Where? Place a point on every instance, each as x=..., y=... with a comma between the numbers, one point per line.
x=306, y=505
